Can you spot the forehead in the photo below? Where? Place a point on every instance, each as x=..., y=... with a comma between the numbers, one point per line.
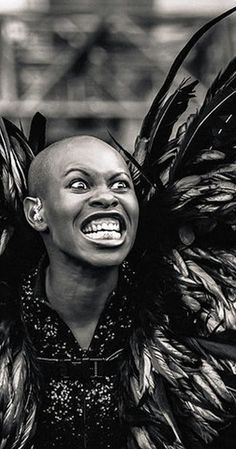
x=94, y=156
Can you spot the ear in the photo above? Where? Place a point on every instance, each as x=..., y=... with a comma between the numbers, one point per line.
x=34, y=213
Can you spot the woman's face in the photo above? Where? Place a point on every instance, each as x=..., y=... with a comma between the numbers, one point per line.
x=90, y=208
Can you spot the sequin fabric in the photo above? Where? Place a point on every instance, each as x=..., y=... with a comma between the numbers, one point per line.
x=76, y=413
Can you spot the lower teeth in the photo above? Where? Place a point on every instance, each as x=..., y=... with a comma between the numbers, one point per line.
x=112, y=235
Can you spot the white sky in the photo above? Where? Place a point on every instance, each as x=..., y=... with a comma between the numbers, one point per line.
x=165, y=6
x=17, y=5
x=194, y=6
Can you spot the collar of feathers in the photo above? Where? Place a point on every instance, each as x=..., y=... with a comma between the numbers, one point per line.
x=173, y=389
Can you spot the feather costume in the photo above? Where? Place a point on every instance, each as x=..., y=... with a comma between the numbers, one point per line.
x=185, y=257
x=173, y=392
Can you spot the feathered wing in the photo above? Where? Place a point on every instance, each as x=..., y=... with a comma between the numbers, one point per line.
x=18, y=384
x=158, y=123
x=184, y=344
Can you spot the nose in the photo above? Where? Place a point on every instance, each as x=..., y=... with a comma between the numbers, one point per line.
x=103, y=198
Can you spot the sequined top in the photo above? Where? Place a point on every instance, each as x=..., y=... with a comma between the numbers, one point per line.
x=79, y=406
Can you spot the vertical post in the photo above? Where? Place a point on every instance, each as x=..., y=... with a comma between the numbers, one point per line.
x=8, y=86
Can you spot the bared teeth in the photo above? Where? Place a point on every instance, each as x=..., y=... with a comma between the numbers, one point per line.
x=104, y=235
x=104, y=224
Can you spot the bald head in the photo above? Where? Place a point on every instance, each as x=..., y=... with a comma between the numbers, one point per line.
x=72, y=184
x=47, y=161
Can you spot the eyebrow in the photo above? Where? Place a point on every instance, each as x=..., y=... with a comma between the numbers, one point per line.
x=86, y=173
x=81, y=170
x=120, y=173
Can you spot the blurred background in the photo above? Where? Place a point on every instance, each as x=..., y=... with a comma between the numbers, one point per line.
x=94, y=65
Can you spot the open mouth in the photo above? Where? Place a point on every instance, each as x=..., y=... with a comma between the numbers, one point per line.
x=103, y=228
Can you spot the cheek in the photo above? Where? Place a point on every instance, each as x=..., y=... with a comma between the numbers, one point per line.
x=58, y=218
x=62, y=209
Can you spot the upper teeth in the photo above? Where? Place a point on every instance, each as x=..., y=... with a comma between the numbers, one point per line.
x=102, y=224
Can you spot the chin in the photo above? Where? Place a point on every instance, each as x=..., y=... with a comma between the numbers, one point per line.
x=100, y=255
x=106, y=258
x=107, y=261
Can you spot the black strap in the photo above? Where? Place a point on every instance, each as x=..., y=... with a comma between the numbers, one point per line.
x=82, y=369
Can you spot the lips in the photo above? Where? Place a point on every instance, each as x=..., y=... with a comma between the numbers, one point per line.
x=104, y=227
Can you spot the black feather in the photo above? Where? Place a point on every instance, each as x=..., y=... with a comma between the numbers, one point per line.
x=150, y=117
x=207, y=127
x=219, y=81
x=12, y=130
x=133, y=161
x=167, y=117
x=37, y=136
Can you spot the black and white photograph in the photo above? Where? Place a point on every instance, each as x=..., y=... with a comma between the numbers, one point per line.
x=117, y=224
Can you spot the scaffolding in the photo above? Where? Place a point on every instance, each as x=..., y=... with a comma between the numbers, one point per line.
x=90, y=66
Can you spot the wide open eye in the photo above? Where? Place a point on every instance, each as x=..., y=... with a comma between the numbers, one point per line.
x=78, y=184
x=120, y=185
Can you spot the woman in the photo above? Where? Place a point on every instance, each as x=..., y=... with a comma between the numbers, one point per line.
x=86, y=210
x=98, y=353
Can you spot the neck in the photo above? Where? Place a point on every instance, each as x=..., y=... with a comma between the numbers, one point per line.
x=77, y=292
